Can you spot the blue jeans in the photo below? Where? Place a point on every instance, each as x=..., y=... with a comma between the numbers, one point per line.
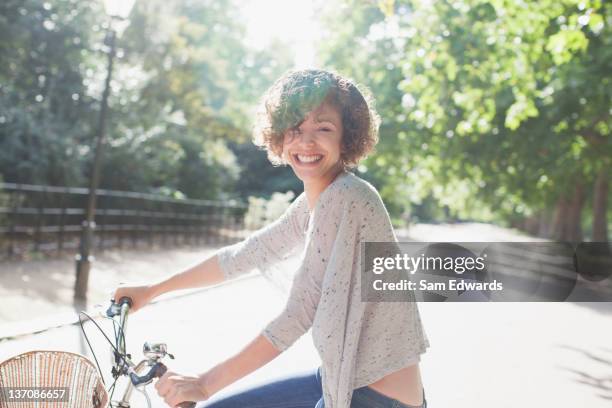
x=299, y=391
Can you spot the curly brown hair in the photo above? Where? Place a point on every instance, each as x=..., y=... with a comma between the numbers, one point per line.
x=289, y=100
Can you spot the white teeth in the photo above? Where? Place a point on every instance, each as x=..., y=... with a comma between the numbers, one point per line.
x=309, y=158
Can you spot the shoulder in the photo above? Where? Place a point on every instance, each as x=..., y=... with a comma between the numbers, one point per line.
x=356, y=202
x=360, y=191
x=350, y=192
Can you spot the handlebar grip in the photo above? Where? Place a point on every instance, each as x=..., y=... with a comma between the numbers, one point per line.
x=127, y=300
x=115, y=307
x=160, y=370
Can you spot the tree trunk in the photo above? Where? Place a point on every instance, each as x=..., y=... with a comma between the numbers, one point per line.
x=544, y=224
x=531, y=224
x=559, y=226
x=600, y=204
x=568, y=215
x=574, y=228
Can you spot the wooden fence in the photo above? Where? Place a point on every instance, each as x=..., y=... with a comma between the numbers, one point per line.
x=46, y=219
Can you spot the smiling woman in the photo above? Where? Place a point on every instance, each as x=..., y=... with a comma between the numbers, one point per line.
x=321, y=125
x=319, y=101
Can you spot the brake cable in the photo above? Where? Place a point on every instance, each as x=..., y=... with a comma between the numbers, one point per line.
x=107, y=339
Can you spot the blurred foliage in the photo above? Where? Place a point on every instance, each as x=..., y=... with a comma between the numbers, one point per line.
x=262, y=212
x=184, y=85
x=492, y=110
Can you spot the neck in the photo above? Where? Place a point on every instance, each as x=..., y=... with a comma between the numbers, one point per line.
x=314, y=188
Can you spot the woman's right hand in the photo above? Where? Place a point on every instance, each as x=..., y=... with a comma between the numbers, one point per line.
x=140, y=295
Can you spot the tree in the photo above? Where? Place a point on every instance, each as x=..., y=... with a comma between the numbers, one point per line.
x=495, y=117
x=183, y=86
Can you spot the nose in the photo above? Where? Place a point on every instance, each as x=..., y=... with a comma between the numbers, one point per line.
x=306, y=137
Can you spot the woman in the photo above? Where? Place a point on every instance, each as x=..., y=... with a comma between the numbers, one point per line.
x=320, y=124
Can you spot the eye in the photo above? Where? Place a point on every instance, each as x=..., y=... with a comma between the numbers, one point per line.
x=325, y=129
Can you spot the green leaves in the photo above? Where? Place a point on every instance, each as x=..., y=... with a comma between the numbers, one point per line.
x=504, y=99
x=564, y=44
x=183, y=86
x=522, y=109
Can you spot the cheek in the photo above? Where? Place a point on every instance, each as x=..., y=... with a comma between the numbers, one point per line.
x=335, y=145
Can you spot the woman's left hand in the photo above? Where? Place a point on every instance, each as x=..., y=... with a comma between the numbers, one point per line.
x=175, y=388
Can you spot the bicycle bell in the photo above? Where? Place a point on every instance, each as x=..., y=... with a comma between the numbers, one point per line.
x=155, y=351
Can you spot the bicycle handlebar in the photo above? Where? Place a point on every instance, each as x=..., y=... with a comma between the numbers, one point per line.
x=158, y=369
x=115, y=308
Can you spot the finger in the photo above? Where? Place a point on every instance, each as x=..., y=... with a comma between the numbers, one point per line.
x=171, y=398
x=163, y=384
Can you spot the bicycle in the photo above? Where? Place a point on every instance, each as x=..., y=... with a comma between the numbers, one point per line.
x=77, y=375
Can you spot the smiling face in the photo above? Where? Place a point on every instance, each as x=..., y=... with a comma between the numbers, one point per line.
x=313, y=148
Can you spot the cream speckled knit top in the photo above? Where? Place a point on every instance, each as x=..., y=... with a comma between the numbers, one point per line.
x=358, y=342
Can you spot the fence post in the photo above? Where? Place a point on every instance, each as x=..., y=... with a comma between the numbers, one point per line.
x=122, y=216
x=133, y=228
x=214, y=229
x=242, y=224
x=207, y=227
x=225, y=223
x=164, y=226
x=39, y=222
x=235, y=214
x=101, y=213
x=196, y=222
x=175, y=231
x=184, y=228
x=149, y=217
x=200, y=227
x=14, y=204
x=194, y=225
x=62, y=220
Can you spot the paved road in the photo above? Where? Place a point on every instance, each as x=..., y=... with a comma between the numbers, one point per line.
x=482, y=354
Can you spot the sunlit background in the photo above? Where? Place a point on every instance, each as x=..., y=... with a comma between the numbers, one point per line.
x=292, y=21
x=492, y=112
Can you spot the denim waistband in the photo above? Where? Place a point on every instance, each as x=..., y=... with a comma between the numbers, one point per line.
x=369, y=397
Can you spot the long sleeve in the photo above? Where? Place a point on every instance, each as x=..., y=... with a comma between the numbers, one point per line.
x=298, y=314
x=267, y=245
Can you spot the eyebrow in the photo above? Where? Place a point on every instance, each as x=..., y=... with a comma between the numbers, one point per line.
x=323, y=118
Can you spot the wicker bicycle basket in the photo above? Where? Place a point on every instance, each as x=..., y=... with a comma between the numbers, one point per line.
x=52, y=369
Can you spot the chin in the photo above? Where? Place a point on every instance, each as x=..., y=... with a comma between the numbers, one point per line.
x=307, y=175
